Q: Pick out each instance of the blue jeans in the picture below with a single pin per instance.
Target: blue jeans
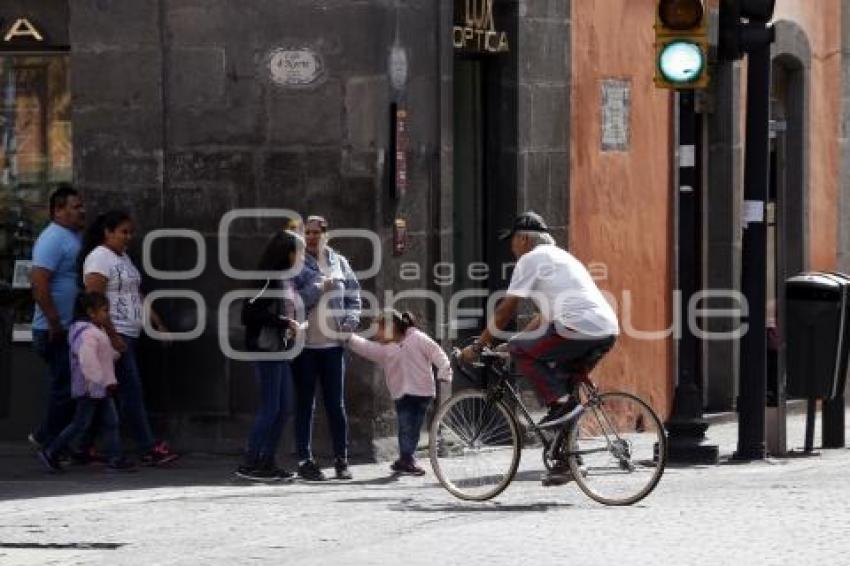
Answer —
(410, 410)
(131, 397)
(275, 379)
(84, 417)
(327, 366)
(60, 407)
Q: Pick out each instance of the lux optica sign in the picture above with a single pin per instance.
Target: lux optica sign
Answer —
(477, 31)
(22, 28)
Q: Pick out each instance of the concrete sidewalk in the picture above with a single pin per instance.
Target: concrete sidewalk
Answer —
(197, 512)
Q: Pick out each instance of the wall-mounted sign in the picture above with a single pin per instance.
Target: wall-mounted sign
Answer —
(21, 30)
(401, 147)
(616, 111)
(475, 29)
(295, 68)
(398, 67)
(399, 236)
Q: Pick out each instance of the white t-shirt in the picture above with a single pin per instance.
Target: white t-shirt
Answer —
(122, 288)
(563, 291)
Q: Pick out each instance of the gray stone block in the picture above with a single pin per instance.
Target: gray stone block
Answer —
(101, 163)
(197, 77)
(524, 116)
(210, 22)
(282, 179)
(549, 118)
(367, 113)
(114, 23)
(548, 9)
(144, 204)
(306, 117)
(123, 79)
(545, 52)
(201, 207)
(537, 182)
(138, 129)
(241, 123)
(189, 167)
(369, 164)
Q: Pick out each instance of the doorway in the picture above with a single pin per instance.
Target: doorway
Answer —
(470, 187)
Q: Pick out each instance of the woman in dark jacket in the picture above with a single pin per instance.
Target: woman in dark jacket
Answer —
(270, 325)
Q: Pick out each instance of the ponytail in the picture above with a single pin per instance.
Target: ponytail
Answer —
(407, 321)
(403, 321)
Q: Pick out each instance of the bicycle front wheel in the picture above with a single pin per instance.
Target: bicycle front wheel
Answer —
(474, 446)
(618, 449)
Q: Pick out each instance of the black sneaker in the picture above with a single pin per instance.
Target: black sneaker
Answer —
(271, 466)
(342, 471)
(120, 465)
(49, 461)
(560, 474)
(258, 474)
(408, 468)
(310, 471)
(284, 475)
(561, 412)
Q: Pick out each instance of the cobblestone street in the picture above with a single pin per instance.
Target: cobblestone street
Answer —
(771, 512)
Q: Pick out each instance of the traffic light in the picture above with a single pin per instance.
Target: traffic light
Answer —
(736, 36)
(681, 44)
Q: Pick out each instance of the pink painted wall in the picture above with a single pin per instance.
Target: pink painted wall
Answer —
(620, 213)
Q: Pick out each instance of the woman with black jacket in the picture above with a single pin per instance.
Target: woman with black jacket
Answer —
(270, 325)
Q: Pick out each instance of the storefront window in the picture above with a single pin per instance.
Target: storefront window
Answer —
(35, 156)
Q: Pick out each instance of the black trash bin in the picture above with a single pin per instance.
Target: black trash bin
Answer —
(817, 335)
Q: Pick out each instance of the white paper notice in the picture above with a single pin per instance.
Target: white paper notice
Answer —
(753, 211)
(687, 156)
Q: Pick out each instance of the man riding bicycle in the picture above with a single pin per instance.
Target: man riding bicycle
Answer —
(573, 317)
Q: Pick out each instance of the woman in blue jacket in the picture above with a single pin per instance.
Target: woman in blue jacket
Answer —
(331, 296)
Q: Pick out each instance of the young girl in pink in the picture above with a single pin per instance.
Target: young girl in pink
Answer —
(406, 355)
(92, 383)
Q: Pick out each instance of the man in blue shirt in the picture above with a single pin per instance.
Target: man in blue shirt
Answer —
(54, 288)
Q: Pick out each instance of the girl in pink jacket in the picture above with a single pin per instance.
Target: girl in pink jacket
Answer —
(92, 383)
(406, 355)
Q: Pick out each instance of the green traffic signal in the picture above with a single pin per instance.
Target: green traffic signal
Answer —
(681, 44)
(681, 62)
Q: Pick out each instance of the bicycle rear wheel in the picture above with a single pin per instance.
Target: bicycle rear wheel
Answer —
(618, 449)
(474, 446)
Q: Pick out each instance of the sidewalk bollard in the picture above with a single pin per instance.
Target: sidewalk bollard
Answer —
(811, 411)
(832, 415)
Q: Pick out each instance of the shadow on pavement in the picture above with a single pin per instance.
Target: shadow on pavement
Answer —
(22, 476)
(483, 507)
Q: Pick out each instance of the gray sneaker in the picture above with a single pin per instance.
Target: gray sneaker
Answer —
(561, 412)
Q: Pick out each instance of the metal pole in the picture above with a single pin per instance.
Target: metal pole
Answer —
(686, 427)
(832, 422)
(811, 410)
(751, 403)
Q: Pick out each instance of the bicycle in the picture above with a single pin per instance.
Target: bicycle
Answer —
(616, 447)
